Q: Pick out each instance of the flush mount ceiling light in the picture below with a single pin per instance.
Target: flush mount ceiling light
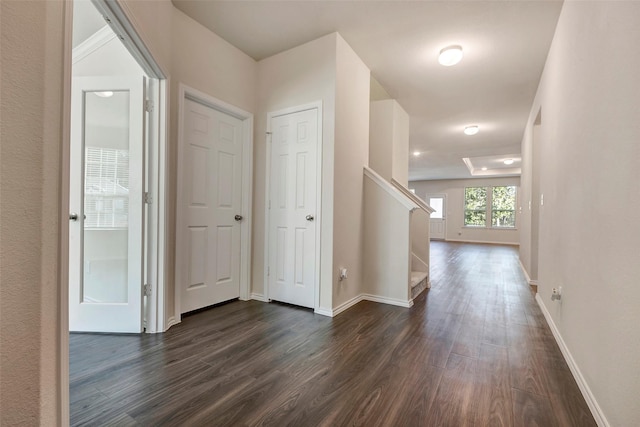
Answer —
(508, 162)
(450, 55)
(471, 130)
(416, 153)
(484, 168)
(104, 94)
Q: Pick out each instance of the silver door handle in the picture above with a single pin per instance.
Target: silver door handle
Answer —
(309, 217)
(73, 216)
(238, 217)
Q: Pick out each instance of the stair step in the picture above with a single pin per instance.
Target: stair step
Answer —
(417, 277)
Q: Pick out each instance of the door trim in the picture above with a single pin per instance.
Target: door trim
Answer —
(120, 19)
(186, 92)
(317, 105)
(444, 213)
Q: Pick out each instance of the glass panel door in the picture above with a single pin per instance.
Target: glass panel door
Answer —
(106, 197)
(106, 204)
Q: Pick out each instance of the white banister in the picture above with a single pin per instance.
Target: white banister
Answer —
(396, 238)
(391, 189)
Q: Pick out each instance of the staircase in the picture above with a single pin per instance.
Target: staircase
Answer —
(419, 276)
(419, 282)
(396, 252)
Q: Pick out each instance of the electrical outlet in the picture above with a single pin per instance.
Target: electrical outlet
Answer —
(343, 273)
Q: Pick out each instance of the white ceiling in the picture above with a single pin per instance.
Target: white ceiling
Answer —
(86, 21)
(505, 46)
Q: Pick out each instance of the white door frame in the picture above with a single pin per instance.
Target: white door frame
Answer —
(186, 92)
(311, 106)
(156, 322)
(444, 209)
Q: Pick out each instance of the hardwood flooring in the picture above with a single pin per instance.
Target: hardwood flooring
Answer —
(474, 350)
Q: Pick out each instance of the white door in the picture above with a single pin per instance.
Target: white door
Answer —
(293, 215)
(106, 204)
(211, 203)
(437, 221)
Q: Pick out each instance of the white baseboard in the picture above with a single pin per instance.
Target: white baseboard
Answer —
(339, 309)
(483, 242)
(596, 411)
(323, 312)
(170, 322)
(363, 297)
(258, 297)
(526, 275)
(385, 300)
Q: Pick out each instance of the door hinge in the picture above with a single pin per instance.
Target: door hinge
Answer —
(147, 290)
(148, 105)
(148, 199)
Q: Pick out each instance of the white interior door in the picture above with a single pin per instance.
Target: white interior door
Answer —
(211, 203)
(292, 214)
(106, 204)
(437, 220)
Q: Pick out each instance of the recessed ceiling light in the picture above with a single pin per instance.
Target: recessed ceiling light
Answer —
(484, 168)
(416, 153)
(104, 94)
(508, 162)
(471, 130)
(450, 55)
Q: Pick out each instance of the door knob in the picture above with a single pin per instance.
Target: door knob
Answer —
(309, 217)
(238, 217)
(73, 216)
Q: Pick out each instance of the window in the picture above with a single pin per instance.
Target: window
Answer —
(503, 207)
(496, 203)
(437, 204)
(475, 207)
(106, 186)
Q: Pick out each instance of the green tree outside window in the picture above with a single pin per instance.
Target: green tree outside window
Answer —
(475, 207)
(497, 203)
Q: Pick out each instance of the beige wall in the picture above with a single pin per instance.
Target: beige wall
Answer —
(203, 61)
(324, 70)
(350, 157)
(381, 137)
(153, 23)
(299, 76)
(31, 87)
(400, 149)
(389, 140)
(378, 92)
(387, 249)
(589, 232)
(454, 191)
(189, 53)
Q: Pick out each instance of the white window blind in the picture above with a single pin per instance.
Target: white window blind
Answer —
(106, 188)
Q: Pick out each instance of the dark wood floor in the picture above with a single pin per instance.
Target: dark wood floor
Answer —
(473, 351)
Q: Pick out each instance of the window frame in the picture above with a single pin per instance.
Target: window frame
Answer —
(465, 210)
(488, 211)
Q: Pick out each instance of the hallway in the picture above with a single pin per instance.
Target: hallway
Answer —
(474, 350)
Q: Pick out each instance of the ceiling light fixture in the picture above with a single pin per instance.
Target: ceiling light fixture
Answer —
(508, 162)
(450, 55)
(471, 130)
(484, 168)
(416, 153)
(104, 94)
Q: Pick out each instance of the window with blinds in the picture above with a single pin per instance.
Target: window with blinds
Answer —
(106, 188)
